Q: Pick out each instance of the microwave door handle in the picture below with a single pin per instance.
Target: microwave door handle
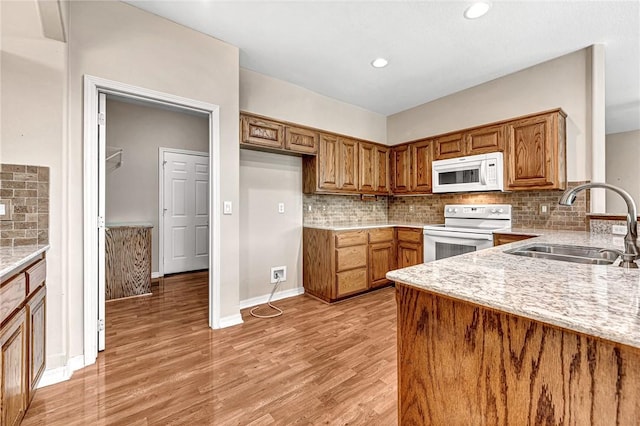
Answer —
(483, 173)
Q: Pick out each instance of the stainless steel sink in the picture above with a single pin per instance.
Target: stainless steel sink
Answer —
(567, 253)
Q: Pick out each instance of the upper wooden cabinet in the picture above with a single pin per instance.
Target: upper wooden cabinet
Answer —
(270, 135)
(373, 168)
(411, 166)
(347, 164)
(328, 162)
(484, 139)
(536, 157)
(449, 146)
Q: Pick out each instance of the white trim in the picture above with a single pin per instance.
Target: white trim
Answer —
(60, 374)
(259, 300)
(161, 151)
(92, 86)
(155, 275)
(230, 320)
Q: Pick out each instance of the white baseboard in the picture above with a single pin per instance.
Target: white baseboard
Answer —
(230, 320)
(60, 374)
(255, 301)
(155, 275)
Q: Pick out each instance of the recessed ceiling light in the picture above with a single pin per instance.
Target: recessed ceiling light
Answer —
(379, 63)
(477, 9)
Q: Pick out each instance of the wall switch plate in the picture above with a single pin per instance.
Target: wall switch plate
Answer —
(227, 207)
(2, 210)
(280, 207)
(544, 209)
(5, 209)
(618, 229)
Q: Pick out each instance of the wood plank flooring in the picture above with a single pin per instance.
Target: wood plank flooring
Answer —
(316, 364)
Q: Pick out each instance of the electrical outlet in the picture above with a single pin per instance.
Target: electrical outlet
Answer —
(278, 273)
(544, 209)
(280, 207)
(618, 229)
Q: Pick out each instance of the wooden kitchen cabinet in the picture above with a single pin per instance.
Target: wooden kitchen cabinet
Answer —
(348, 164)
(265, 134)
(13, 369)
(22, 338)
(409, 247)
(483, 140)
(449, 146)
(334, 169)
(411, 167)
(536, 157)
(339, 264)
(373, 168)
(499, 239)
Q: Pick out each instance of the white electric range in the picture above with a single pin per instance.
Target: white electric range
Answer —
(466, 228)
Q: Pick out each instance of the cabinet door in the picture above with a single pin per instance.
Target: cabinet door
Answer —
(530, 153)
(485, 139)
(500, 239)
(381, 260)
(256, 131)
(449, 146)
(347, 164)
(367, 167)
(328, 162)
(421, 159)
(401, 169)
(409, 254)
(382, 169)
(304, 141)
(37, 355)
(13, 375)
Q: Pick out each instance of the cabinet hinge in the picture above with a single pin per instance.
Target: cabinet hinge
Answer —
(100, 325)
(101, 119)
(100, 222)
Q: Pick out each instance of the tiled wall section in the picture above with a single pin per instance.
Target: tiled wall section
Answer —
(526, 208)
(25, 192)
(331, 209)
(335, 209)
(601, 226)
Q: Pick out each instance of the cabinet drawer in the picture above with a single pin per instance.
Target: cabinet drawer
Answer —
(351, 238)
(380, 235)
(351, 281)
(351, 257)
(12, 294)
(36, 276)
(413, 235)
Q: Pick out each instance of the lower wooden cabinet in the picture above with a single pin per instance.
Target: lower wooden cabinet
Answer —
(22, 340)
(339, 264)
(13, 369)
(409, 247)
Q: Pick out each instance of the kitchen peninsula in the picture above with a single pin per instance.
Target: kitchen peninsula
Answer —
(492, 338)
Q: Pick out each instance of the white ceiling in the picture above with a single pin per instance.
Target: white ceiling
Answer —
(432, 50)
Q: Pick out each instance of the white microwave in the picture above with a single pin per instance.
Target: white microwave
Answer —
(466, 174)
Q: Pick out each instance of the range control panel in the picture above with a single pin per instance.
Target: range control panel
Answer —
(478, 211)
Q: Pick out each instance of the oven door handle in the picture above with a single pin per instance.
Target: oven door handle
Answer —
(461, 235)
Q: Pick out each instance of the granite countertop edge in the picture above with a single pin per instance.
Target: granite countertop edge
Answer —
(12, 258)
(596, 300)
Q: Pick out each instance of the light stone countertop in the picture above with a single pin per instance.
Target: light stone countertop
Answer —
(597, 300)
(345, 226)
(14, 257)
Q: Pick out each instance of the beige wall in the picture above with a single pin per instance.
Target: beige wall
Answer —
(623, 156)
(563, 82)
(269, 238)
(116, 41)
(275, 98)
(33, 122)
(132, 189)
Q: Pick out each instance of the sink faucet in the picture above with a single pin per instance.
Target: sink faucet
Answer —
(631, 244)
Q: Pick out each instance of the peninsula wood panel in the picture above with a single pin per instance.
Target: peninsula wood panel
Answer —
(127, 261)
(318, 263)
(13, 366)
(461, 364)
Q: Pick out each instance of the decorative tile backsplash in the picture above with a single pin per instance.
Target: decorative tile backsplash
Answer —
(326, 209)
(24, 190)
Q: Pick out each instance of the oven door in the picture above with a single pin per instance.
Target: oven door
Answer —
(443, 244)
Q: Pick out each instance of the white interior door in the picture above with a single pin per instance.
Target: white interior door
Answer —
(102, 148)
(185, 212)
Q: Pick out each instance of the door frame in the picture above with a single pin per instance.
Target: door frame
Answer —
(92, 86)
(161, 152)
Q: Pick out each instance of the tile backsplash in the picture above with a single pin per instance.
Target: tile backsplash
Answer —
(24, 190)
(327, 209)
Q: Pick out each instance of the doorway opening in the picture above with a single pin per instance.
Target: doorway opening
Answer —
(95, 154)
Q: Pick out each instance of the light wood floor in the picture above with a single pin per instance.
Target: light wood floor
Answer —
(316, 364)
